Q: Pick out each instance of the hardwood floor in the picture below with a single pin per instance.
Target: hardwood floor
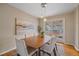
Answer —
(68, 49)
(10, 53)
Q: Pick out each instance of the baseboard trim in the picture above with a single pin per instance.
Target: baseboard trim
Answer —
(7, 51)
(76, 48)
(66, 43)
(72, 45)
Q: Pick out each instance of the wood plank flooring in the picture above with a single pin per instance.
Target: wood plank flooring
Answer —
(69, 51)
(10, 53)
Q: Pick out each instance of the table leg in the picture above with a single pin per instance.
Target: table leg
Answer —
(39, 52)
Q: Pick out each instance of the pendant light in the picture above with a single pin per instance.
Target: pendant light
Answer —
(43, 5)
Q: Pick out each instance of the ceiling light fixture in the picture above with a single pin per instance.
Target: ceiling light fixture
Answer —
(44, 5)
(45, 19)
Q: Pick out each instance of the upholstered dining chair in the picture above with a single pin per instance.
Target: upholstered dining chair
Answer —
(49, 48)
(60, 49)
(23, 49)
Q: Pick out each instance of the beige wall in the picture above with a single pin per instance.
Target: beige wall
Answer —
(69, 28)
(76, 28)
(7, 25)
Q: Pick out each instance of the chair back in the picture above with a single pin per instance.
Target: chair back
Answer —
(59, 49)
(21, 47)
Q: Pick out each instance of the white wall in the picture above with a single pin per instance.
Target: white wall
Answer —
(7, 25)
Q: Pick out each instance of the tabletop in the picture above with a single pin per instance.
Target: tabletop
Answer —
(36, 41)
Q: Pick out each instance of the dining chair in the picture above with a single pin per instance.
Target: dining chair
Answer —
(59, 49)
(49, 47)
(23, 49)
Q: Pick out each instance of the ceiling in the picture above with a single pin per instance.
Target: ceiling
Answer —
(52, 9)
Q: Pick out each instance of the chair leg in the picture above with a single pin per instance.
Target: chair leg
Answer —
(46, 52)
(18, 54)
(36, 53)
(54, 52)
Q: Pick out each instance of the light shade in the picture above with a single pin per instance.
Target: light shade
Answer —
(41, 17)
(45, 19)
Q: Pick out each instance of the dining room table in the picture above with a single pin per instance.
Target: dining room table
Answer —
(37, 42)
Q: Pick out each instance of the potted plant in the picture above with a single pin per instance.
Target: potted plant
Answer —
(42, 34)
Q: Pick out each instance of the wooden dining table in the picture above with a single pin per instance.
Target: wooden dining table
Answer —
(36, 42)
